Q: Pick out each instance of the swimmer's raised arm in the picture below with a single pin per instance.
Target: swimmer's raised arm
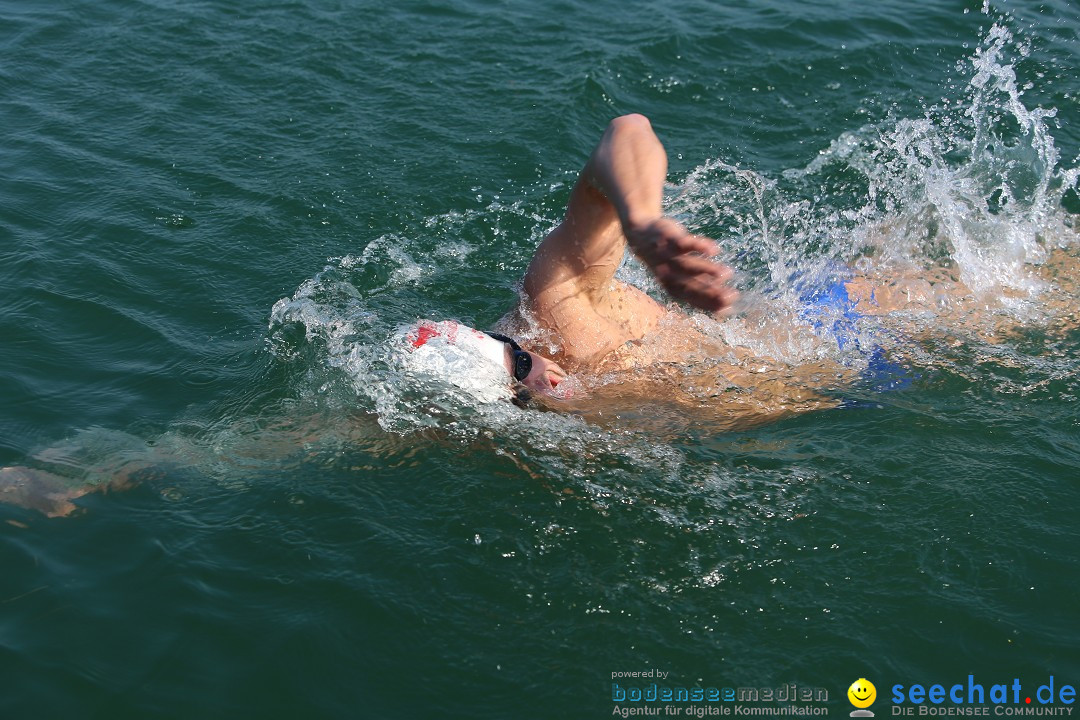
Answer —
(618, 201)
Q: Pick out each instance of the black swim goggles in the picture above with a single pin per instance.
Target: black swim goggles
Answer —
(522, 361)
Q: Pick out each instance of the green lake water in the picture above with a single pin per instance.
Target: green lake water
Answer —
(213, 215)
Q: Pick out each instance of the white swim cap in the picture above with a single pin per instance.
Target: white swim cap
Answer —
(454, 333)
(459, 355)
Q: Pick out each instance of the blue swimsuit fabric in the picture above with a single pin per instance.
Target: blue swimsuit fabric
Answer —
(830, 310)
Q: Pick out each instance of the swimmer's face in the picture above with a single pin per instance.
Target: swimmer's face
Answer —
(544, 376)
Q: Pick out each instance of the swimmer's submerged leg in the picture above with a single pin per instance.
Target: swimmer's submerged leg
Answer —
(49, 493)
(38, 490)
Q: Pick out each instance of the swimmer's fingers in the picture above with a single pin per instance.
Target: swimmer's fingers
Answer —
(697, 281)
(704, 294)
(700, 266)
(680, 262)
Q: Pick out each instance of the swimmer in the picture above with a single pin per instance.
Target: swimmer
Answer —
(579, 320)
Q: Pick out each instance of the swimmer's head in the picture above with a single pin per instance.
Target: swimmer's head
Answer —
(473, 359)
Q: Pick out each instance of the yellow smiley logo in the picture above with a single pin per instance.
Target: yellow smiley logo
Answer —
(862, 693)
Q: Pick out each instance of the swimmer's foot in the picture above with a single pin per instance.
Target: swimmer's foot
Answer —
(49, 494)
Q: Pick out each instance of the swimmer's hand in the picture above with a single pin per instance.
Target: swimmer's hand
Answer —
(681, 263)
